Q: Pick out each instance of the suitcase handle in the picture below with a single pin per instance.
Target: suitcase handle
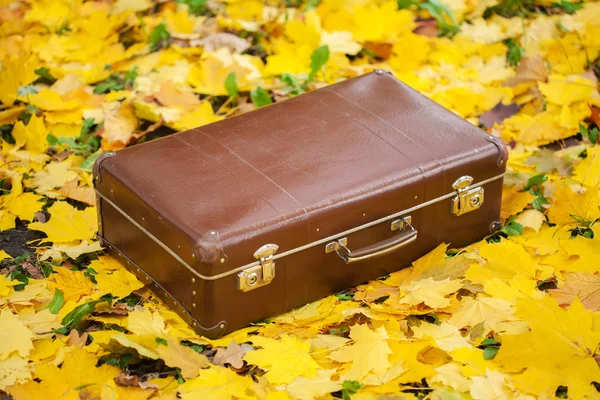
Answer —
(378, 249)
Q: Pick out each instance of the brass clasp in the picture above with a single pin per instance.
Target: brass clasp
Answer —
(262, 274)
(467, 199)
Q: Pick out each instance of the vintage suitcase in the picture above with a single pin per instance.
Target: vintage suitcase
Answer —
(254, 215)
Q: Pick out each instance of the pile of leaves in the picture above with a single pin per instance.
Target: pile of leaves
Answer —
(515, 315)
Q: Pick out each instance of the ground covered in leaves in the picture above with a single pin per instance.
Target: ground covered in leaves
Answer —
(516, 315)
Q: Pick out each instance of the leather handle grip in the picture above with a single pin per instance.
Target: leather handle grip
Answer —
(378, 249)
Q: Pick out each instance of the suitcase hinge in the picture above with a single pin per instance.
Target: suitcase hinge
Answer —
(467, 199)
(262, 274)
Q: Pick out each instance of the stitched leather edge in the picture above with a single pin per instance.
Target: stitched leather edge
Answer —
(213, 332)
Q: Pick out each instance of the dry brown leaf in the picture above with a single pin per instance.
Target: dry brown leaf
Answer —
(530, 69)
(120, 123)
(127, 379)
(232, 355)
(586, 286)
(222, 39)
(72, 190)
(595, 114)
(74, 339)
(498, 114)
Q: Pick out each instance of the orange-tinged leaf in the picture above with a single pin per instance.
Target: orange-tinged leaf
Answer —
(582, 286)
(73, 284)
(73, 191)
(120, 124)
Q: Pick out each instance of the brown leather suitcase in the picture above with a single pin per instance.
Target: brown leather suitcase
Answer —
(254, 215)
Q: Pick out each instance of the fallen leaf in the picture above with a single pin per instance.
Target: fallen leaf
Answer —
(369, 352)
(557, 348)
(177, 356)
(429, 292)
(498, 114)
(530, 69)
(72, 190)
(67, 223)
(232, 355)
(15, 338)
(582, 286)
(222, 39)
(284, 359)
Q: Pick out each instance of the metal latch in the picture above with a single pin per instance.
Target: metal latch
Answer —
(467, 199)
(262, 274)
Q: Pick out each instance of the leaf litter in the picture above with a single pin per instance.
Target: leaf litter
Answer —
(512, 316)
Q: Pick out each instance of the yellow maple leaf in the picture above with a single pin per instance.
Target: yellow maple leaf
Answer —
(587, 171)
(24, 205)
(531, 219)
(518, 287)
(284, 360)
(78, 371)
(429, 292)
(586, 252)
(120, 283)
(17, 70)
(13, 370)
(558, 341)
(216, 383)
(31, 137)
(53, 176)
(485, 310)
(178, 356)
(104, 264)
(145, 348)
(67, 224)
(73, 284)
(493, 385)
(504, 260)
(447, 337)
(49, 100)
(306, 389)
(200, 115)
(214, 67)
(369, 352)
(571, 204)
(563, 90)
(73, 250)
(14, 336)
(451, 375)
(4, 255)
(514, 202)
